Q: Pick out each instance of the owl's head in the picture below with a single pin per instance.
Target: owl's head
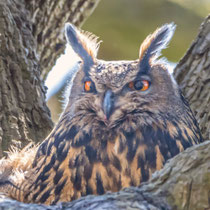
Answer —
(121, 93)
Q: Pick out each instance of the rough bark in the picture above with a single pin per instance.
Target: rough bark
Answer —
(48, 20)
(30, 37)
(193, 75)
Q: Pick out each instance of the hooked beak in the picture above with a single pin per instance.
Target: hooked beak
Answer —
(108, 103)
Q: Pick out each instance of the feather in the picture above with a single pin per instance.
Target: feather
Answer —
(151, 48)
(85, 44)
(17, 163)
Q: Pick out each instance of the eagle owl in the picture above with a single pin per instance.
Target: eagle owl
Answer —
(123, 121)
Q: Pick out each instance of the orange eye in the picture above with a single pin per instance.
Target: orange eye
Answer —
(145, 85)
(88, 86)
(141, 85)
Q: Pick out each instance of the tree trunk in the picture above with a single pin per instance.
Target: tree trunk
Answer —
(183, 183)
(193, 75)
(31, 39)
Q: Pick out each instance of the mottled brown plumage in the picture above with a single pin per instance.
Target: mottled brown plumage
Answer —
(123, 121)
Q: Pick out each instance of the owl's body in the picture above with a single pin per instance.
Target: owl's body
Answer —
(123, 121)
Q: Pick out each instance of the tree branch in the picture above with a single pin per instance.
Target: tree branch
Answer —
(48, 20)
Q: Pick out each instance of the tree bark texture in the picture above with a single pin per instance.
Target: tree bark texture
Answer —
(193, 75)
(31, 39)
(48, 20)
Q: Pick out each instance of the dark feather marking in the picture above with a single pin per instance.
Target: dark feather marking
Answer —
(109, 171)
(71, 163)
(78, 161)
(62, 153)
(189, 139)
(150, 137)
(26, 195)
(105, 160)
(83, 140)
(41, 151)
(99, 184)
(116, 163)
(130, 137)
(103, 144)
(163, 140)
(197, 138)
(42, 177)
(43, 147)
(88, 171)
(58, 138)
(57, 198)
(56, 165)
(49, 165)
(60, 186)
(49, 148)
(35, 196)
(74, 197)
(89, 190)
(91, 153)
(42, 186)
(150, 157)
(58, 176)
(121, 146)
(162, 143)
(77, 182)
(45, 196)
(119, 184)
(183, 141)
(72, 132)
(172, 146)
(7, 182)
(74, 162)
(68, 135)
(60, 148)
(164, 151)
(128, 171)
(52, 160)
(83, 193)
(132, 182)
(144, 172)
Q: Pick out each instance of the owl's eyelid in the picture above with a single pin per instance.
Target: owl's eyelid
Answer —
(86, 78)
(143, 77)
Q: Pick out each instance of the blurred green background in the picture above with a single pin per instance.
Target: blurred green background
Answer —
(124, 24)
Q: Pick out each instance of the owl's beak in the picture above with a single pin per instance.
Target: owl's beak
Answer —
(108, 103)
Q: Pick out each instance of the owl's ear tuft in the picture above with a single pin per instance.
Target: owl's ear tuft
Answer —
(83, 43)
(151, 48)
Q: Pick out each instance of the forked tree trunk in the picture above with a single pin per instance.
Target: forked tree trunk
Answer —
(35, 28)
(31, 39)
